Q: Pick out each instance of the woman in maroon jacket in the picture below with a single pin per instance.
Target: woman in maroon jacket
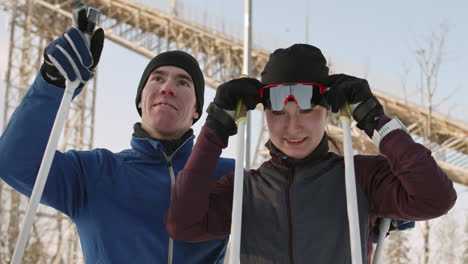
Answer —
(294, 205)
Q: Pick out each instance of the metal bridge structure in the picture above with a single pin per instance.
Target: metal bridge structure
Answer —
(147, 31)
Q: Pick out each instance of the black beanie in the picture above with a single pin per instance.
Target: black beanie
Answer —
(298, 63)
(182, 60)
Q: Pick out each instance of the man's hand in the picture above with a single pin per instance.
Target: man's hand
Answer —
(70, 57)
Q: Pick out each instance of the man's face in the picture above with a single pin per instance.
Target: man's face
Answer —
(168, 103)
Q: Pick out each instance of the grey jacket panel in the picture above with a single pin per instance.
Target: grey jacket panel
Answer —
(314, 198)
(264, 220)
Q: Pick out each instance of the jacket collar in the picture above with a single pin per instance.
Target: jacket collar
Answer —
(278, 157)
(154, 148)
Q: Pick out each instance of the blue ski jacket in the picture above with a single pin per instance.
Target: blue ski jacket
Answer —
(116, 200)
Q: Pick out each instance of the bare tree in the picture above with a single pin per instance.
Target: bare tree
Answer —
(404, 80)
(14, 220)
(397, 248)
(3, 234)
(446, 240)
(429, 58)
(465, 243)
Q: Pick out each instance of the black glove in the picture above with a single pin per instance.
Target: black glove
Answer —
(70, 56)
(227, 96)
(245, 89)
(354, 91)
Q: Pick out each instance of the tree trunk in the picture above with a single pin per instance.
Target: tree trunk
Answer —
(426, 230)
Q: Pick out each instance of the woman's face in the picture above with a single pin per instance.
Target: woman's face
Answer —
(296, 132)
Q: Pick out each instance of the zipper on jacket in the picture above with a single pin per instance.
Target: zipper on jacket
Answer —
(170, 248)
(171, 241)
(288, 207)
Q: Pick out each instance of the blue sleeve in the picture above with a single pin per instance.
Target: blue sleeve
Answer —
(224, 166)
(22, 146)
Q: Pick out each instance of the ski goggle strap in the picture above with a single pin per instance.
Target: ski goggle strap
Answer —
(300, 93)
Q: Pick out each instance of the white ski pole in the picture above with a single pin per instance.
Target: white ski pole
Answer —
(45, 164)
(236, 222)
(350, 180)
(383, 229)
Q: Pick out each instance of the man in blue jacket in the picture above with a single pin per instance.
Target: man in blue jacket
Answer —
(117, 200)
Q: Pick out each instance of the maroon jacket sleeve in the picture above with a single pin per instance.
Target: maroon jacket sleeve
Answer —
(201, 206)
(405, 183)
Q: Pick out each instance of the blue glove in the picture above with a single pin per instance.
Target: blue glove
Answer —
(398, 225)
(70, 56)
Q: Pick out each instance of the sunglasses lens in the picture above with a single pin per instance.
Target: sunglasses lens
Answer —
(279, 95)
(303, 94)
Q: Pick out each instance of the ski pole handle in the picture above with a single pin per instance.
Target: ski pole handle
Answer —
(91, 17)
(241, 109)
(241, 112)
(346, 113)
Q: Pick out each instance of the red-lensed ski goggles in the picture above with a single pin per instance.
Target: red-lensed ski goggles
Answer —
(305, 95)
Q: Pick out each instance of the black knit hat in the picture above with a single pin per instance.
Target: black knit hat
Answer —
(182, 60)
(298, 63)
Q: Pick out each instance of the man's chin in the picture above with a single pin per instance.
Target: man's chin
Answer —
(168, 129)
(164, 119)
(165, 124)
